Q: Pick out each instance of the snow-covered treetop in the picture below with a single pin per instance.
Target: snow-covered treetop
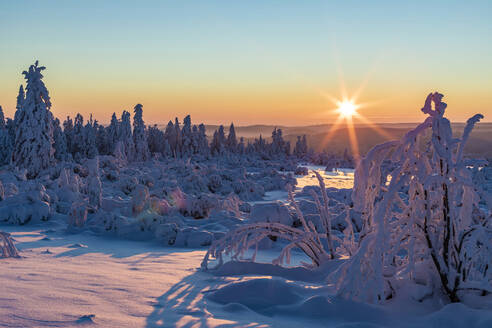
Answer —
(35, 84)
(2, 119)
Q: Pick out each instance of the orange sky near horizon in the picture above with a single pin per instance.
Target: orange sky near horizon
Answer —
(255, 63)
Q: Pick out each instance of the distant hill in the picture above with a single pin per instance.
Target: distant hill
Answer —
(479, 144)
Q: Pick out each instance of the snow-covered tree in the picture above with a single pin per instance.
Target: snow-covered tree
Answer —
(171, 139)
(139, 135)
(90, 139)
(218, 145)
(204, 148)
(69, 134)
(2, 118)
(421, 217)
(156, 140)
(20, 100)
(78, 144)
(6, 143)
(60, 145)
(301, 147)
(231, 139)
(241, 147)
(34, 123)
(102, 140)
(186, 137)
(113, 133)
(179, 140)
(279, 146)
(126, 137)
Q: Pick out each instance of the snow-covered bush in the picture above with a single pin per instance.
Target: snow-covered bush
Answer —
(316, 244)
(198, 207)
(275, 212)
(94, 187)
(78, 214)
(32, 205)
(421, 216)
(140, 199)
(7, 247)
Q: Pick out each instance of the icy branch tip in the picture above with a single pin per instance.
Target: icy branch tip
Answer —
(439, 106)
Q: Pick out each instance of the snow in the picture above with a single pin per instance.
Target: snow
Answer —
(117, 283)
(65, 280)
(110, 226)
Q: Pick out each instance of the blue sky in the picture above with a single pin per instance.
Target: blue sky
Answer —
(250, 61)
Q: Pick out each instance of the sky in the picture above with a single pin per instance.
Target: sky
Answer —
(250, 62)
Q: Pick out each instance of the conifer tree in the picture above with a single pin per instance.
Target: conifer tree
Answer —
(204, 148)
(171, 138)
(5, 141)
(186, 137)
(20, 100)
(113, 133)
(60, 144)
(139, 135)
(34, 126)
(126, 136)
(90, 149)
(231, 139)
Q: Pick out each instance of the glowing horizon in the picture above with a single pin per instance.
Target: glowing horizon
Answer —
(255, 63)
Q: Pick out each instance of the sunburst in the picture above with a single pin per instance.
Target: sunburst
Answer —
(348, 109)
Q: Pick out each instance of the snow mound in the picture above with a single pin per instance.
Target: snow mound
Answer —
(257, 294)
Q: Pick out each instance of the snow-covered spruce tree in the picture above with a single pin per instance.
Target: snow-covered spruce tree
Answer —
(204, 148)
(69, 133)
(113, 133)
(301, 149)
(241, 147)
(34, 122)
(195, 140)
(187, 138)
(60, 145)
(179, 139)
(421, 217)
(6, 143)
(171, 139)
(90, 132)
(2, 118)
(20, 100)
(231, 139)
(142, 153)
(125, 136)
(218, 145)
(102, 140)
(155, 140)
(278, 145)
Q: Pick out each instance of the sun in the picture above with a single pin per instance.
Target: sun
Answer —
(347, 108)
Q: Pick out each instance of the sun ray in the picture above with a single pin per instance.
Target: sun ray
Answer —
(331, 132)
(374, 127)
(354, 145)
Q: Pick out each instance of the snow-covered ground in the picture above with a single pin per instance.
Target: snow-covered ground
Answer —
(67, 280)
